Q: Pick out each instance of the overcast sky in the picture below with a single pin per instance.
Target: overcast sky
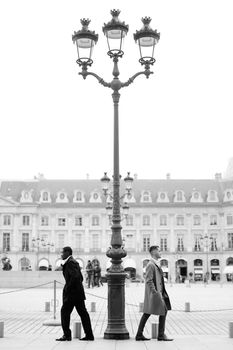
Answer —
(177, 121)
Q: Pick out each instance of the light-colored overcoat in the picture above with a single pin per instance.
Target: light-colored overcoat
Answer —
(156, 299)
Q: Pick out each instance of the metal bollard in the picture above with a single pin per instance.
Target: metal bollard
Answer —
(154, 330)
(141, 305)
(93, 308)
(47, 306)
(1, 329)
(187, 307)
(230, 329)
(77, 330)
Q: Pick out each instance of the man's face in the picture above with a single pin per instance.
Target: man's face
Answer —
(64, 254)
(155, 253)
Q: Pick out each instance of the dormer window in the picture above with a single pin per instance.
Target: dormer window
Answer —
(45, 196)
(228, 195)
(95, 197)
(130, 198)
(179, 196)
(196, 197)
(26, 197)
(146, 196)
(162, 197)
(62, 197)
(212, 196)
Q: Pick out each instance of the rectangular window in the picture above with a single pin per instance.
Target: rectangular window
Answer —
(61, 238)
(197, 244)
(44, 220)
(129, 242)
(78, 221)
(213, 220)
(180, 221)
(229, 220)
(95, 221)
(78, 241)
(163, 244)
(6, 220)
(146, 243)
(163, 220)
(180, 244)
(230, 240)
(61, 221)
(129, 220)
(95, 242)
(26, 220)
(6, 242)
(25, 242)
(213, 244)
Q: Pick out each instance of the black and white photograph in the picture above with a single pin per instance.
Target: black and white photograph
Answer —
(116, 175)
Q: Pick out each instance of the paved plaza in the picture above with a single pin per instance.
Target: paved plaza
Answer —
(204, 327)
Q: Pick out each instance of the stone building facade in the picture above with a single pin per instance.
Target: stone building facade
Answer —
(191, 221)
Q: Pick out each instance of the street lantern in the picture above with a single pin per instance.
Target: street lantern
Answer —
(115, 31)
(85, 41)
(128, 182)
(125, 208)
(146, 38)
(105, 183)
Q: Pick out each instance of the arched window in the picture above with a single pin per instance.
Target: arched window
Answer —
(179, 196)
(146, 220)
(198, 262)
(45, 196)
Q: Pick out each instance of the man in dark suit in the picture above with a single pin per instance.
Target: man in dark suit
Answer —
(156, 300)
(73, 296)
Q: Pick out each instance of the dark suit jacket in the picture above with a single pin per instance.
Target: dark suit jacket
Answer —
(73, 289)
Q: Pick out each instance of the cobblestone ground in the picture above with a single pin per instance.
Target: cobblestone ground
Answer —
(211, 309)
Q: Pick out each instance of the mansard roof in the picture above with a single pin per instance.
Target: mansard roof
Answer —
(13, 189)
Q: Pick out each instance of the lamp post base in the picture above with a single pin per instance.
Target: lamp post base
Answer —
(116, 328)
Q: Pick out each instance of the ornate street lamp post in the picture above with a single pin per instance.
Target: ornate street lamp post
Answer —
(207, 240)
(115, 32)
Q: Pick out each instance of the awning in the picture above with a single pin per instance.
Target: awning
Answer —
(44, 262)
(215, 270)
(228, 269)
(129, 263)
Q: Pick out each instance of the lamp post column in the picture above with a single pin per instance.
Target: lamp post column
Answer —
(116, 328)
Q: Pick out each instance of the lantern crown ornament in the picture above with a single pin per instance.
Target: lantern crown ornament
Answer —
(85, 39)
(115, 31)
(146, 38)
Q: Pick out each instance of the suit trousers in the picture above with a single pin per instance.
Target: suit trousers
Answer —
(67, 308)
(144, 318)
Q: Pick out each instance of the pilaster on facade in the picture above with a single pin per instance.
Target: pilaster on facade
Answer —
(221, 231)
(87, 233)
(104, 220)
(52, 232)
(138, 237)
(15, 233)
(189, 230)
(35, 225)
(69, 228)
(172, 232)
(155, 237)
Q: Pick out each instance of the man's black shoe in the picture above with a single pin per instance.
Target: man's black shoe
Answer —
(87, 338)
(164, 338)
(64, 338)
(141, 337)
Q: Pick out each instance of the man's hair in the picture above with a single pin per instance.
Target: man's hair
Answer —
(153, 247)
(68, 249)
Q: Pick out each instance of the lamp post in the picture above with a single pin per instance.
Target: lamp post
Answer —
(115, 32)
(206, 239)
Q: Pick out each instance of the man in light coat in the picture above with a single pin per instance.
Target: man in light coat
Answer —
(156, 300)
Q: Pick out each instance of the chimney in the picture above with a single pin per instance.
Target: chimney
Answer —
(168, 176)
(218, 176)
(135, 176)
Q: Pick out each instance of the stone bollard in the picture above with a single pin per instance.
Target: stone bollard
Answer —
(47, 306)
(154, 330)
(93, 308)
(141, 305)
(1, 329)
(230, 329)
(187, 307)
(77, 330)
